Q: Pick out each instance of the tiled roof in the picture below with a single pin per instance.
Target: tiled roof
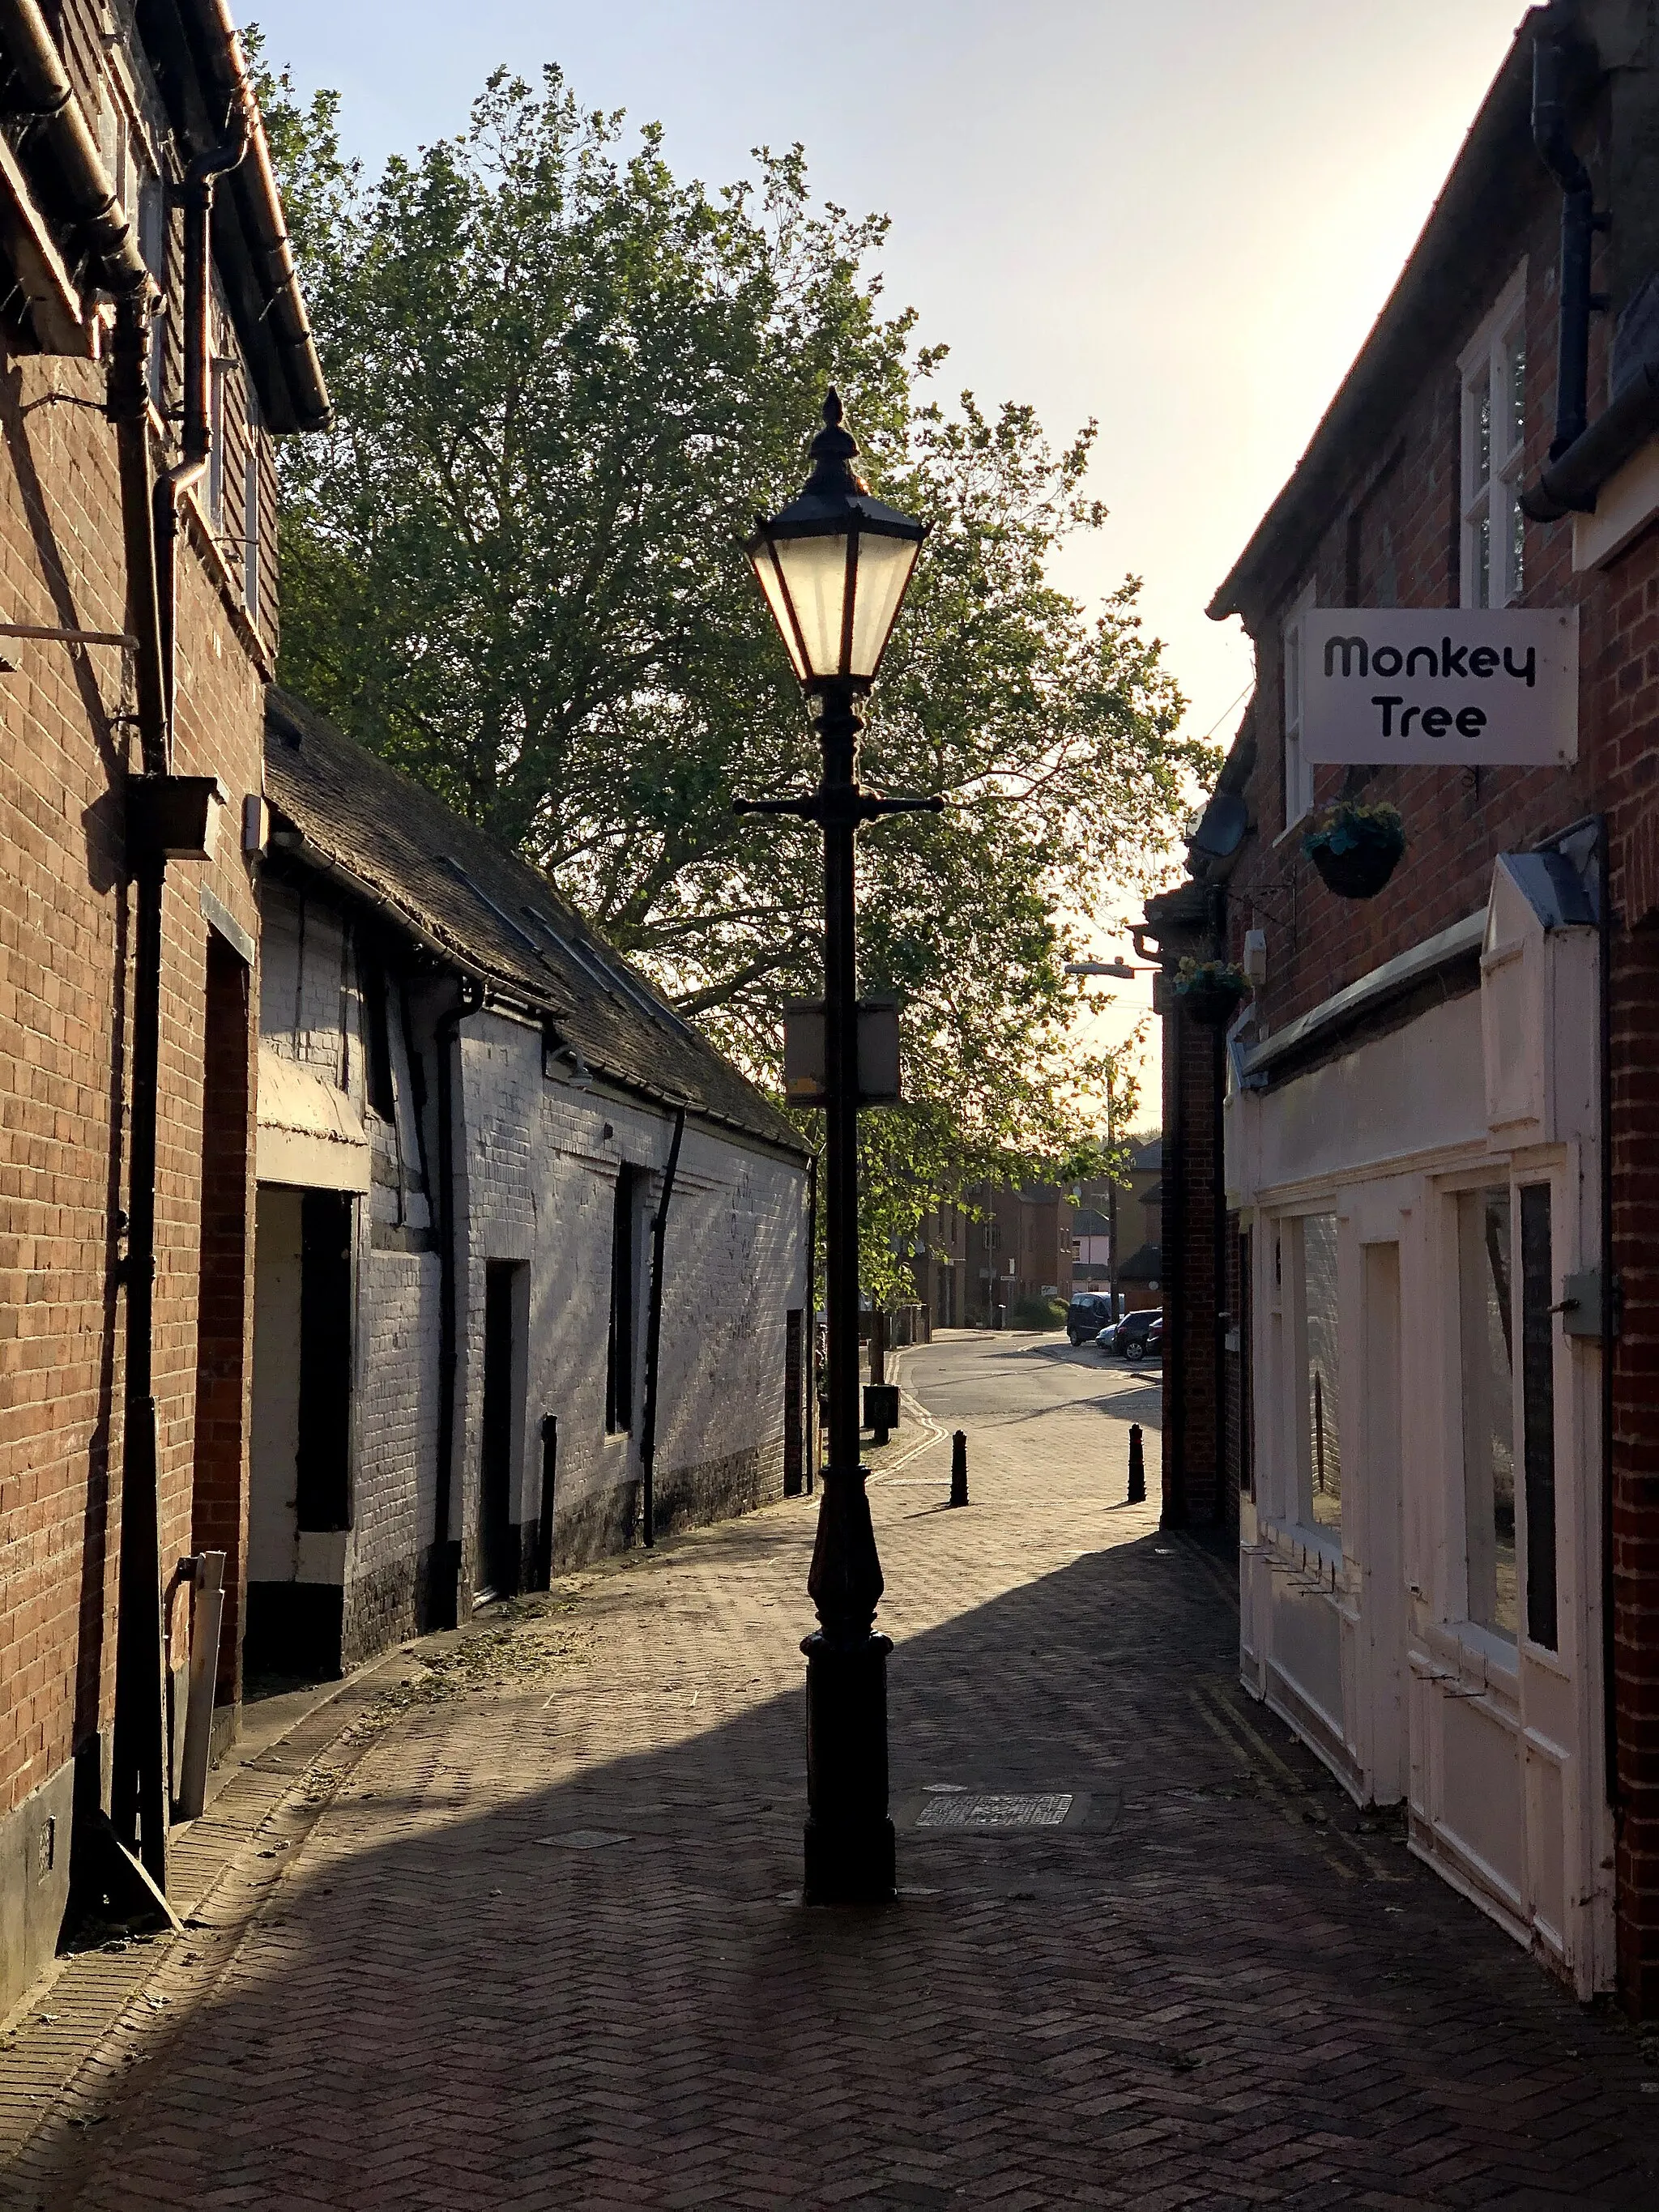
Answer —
(496, 917)
(1145, 1266)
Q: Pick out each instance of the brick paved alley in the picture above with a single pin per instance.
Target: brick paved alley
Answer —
(533, 1937)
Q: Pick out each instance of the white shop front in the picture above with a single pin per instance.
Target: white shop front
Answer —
(1416, 1165)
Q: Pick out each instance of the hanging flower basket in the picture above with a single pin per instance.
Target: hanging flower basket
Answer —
(1356, 847)
(1211, 990)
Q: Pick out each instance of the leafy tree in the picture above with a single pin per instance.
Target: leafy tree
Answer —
(565, 381)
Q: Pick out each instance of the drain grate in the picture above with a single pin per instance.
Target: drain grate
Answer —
(984, 1811)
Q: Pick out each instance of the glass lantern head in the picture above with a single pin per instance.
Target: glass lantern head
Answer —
(835, 565)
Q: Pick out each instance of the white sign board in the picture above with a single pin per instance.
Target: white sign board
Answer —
(1457, 687)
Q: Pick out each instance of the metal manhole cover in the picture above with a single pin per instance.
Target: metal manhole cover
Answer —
(983, 1811)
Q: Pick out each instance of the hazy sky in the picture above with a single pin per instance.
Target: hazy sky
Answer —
(1179, 218)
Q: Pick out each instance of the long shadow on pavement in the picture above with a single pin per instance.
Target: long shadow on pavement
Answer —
(1221, 1987)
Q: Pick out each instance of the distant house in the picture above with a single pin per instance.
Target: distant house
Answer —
(1140, 1224)
(999, 1249)
(531, 1261)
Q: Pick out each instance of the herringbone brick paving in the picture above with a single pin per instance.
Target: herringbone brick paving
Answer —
(544, 1947)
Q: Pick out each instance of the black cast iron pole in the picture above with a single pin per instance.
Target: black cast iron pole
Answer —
(849, 1837)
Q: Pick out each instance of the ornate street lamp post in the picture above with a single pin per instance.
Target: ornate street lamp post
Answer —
(833, 566)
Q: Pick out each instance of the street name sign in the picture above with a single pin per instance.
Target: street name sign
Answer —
(1454, 686)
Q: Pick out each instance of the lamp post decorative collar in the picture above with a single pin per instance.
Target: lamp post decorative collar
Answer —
(835, 565)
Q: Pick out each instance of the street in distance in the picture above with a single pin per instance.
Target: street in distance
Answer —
(1449, 686)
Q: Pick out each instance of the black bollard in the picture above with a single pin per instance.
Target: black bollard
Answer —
(1137, 1467)
(959, 1467)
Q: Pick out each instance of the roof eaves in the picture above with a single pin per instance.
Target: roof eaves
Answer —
(1478, 193)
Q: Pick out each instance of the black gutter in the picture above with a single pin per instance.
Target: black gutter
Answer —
(89, 200)
(444, 1575)
(261, 204)
(654, 1336)
(1579, 222)
(1572, 484)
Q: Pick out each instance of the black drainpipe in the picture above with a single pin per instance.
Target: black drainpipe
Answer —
(1579, 223)
(444, 1576)
(196, 439)
(138, 1780)
(653, 1335)
(138, 1763)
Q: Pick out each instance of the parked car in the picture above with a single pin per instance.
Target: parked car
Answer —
(1103, 1342)
(1085, 1314)
(1133, 1330)
(1153, 1348)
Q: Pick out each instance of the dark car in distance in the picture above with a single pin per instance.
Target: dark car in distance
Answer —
(1132, 1337)
(1086, 1316)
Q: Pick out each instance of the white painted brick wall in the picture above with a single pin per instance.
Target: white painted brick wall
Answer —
(536, 1177)
(540, 1179)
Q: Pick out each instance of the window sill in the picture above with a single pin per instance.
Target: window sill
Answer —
(1299, 1544)
(1500, 1659)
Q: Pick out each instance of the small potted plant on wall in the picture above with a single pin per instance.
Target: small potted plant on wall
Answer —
(1356, 846)
(1211, 990)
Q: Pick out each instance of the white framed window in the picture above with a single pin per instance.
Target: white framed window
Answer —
(1298, 772)
(1507, 1337)
(1492, 368)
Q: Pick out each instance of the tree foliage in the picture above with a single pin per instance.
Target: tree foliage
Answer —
(565, 381)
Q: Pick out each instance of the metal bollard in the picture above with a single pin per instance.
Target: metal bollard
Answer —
(959, 1467)
(1137, 1467)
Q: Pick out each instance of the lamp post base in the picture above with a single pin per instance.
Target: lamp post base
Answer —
(850, 1850)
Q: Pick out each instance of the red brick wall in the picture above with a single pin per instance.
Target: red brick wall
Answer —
(66, 955)
(1195, 1491)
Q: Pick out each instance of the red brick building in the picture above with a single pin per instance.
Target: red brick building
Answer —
(137, 516)
(1001, 1248)
(1409, 1199)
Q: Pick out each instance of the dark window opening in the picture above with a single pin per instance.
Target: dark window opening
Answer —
(377, 1039)
(619, 1358)
(794, 1432)
(217, 1522)
(322, 1492)
(1537, 1410)
(499, 1548)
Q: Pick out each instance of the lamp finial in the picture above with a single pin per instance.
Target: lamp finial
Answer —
(833, 451)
